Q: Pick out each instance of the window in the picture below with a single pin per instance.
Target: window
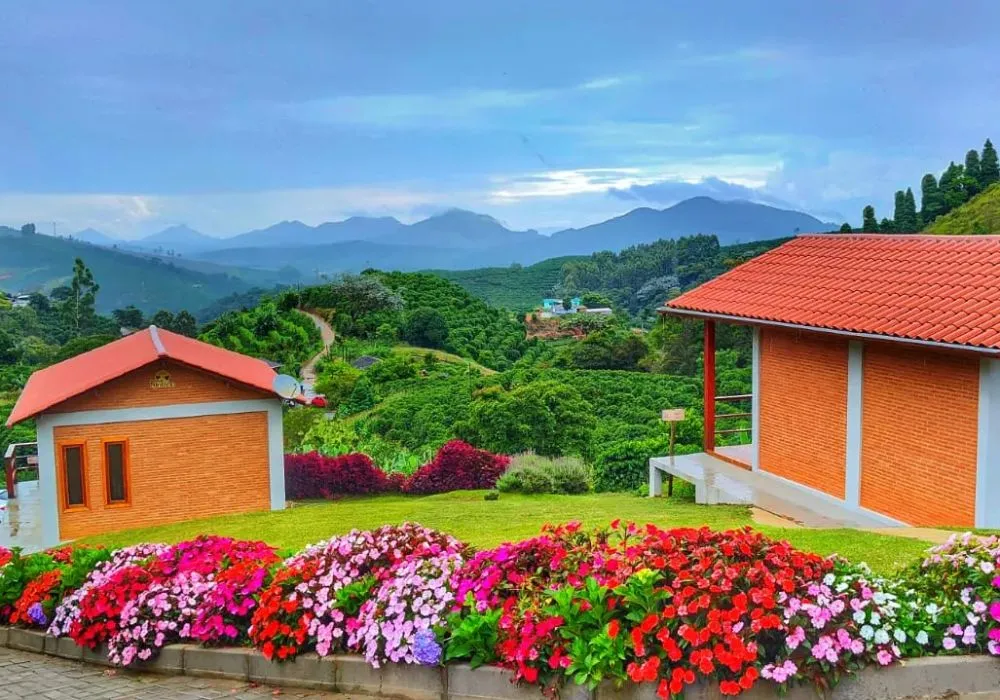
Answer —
(116, 471)
(74, 476)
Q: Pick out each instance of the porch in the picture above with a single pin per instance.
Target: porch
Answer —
(21, 510)
(717, 480)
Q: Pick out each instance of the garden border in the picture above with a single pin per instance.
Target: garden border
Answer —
(938, 675)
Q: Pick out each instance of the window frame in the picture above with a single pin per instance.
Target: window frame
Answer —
(126, 472)
(63, 482)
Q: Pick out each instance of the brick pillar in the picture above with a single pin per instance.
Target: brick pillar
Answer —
(709, 363)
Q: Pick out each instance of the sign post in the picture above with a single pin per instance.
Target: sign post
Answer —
(673, 416)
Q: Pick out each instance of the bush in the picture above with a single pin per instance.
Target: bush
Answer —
(529, 473)
(458, 466)
(624, 465)
(312, 475)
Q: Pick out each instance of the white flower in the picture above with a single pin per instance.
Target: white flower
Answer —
(876, 618)
(859, 617)
(899, 635)
(932, 609)
(881, 637)
(867, 632)
(829, 579)
(922, 638)
(987, 567)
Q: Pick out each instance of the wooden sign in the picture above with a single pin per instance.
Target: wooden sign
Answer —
(673, 415)
(161, 380)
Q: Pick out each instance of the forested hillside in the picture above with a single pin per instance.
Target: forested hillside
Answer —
(979, 215)
(518, 288)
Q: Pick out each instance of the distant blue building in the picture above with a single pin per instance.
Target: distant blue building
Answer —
(556, 305)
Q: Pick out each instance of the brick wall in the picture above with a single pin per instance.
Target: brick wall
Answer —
(134, 390)
(803, 408)
(919, 434)
(180, 469)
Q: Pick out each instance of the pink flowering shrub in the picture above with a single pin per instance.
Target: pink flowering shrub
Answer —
(301, 611)
(414, 599)
(224, 611)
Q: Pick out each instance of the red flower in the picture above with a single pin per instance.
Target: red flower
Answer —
(613, 628)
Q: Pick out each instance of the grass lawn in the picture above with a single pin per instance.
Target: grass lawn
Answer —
(467, 516)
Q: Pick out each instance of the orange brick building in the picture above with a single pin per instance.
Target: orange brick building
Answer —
(150, 429)
(876, 378)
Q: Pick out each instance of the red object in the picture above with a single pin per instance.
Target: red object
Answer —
(458, 466)
(312, 475)
(53, 385)
(709, 389)
(319, 402)
(943, 289)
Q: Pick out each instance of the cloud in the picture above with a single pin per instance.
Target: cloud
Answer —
(669, 192)
(606, 83)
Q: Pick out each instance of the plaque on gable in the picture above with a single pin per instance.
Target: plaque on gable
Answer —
(161, 380)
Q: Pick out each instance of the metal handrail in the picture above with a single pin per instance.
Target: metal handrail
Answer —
(722, 416)
(11, 467)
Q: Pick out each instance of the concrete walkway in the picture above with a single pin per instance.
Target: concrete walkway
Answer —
(27, 675)
(308, 371)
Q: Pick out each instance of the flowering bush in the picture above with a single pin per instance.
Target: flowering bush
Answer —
(68, 612)
(15, 576)
(313, 475)
(398, 623)
(301, 608)
(35, 605)
(224, 611)
(5, 556)
(456, 466)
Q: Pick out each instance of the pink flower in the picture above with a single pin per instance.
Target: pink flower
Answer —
(884, 657)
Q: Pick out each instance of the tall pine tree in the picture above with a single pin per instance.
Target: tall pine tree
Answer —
(973, 173)
(869, 224)
(952, 187)
(912, 219)
(989, 167)
(899, 211)
(931, 203)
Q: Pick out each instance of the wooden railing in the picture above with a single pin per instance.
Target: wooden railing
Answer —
(19, 457)
(746, 399)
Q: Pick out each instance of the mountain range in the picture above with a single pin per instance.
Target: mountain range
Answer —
(458, 239)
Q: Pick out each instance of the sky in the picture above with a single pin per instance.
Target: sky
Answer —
(131, 116)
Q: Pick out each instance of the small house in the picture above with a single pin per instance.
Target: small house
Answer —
(150, 429)
(876, 373)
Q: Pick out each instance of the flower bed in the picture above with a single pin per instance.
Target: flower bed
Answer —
(456, 466)
(664, 607)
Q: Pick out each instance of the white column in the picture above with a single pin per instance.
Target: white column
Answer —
(755, 402)
(855, 384)
(276, 455)
(988, 445)
(48, 495)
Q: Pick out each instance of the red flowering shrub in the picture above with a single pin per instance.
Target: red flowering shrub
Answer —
(312, 475)
(5, 555)
(458, 466)
(34, 607)
(101, 607)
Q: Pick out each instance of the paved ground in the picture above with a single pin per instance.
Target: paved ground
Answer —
(25, 675)
(326, 331)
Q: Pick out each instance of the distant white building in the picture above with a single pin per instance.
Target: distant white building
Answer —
(19, 301)
(600, 310)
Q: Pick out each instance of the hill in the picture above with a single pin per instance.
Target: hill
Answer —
(735, 221)
(517, 288)
(38, 262)
(981, 214)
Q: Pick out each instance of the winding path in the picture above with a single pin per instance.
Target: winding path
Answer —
(308, 371)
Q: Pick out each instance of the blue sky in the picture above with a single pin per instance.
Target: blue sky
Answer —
(132, 116)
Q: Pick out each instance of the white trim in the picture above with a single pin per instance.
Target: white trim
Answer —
(822, 495)
(180, 410)
(755, 400)
(988, 445)
(276, 456)
(746, 320)
(48, 496)
(855, 388)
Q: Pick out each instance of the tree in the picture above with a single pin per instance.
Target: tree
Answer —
(887, 225)
(129, 317)
(425, 327)
(162, 319)
(9, 352)
(78, 298)
(846, 228)
(869, 224)
(931, 202)
(952, 187)
(899, 211)
(361, 399)
(973, 173)
(567, 303)
(28, 230)
(989, 167)
(912, 222)
(354, 296)
(595, 300)
(185, 324)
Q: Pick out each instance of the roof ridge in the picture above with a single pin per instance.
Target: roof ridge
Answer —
(154, 333)
(902, 236)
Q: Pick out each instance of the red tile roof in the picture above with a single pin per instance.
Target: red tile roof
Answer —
(53, 385)
(943, 289)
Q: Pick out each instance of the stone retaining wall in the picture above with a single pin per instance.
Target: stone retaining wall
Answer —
(936, 676)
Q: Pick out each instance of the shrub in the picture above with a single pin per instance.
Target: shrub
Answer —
(529, 473)
(458, 466)
(623, 465)
(312, 475)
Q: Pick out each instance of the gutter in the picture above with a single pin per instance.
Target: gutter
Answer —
(744, 320)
